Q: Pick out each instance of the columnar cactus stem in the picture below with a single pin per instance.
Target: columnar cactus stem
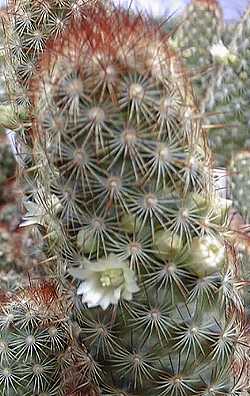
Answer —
(228, 97)
(201, 27)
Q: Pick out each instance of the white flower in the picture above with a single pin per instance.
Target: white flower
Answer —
(207, 255)
(105, 282)
(41, 209)
(220, 52)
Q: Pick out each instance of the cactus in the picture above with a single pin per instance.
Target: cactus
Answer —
(200, 28)
(240, 182)
(228, 101)
(228, 97)
(29, 24)
(38, 353)
(32, 339)
(229, 31)
(8, 166)
(123, 196)
(3, 96)
(20, 251)
(227, 105)
(240, 188)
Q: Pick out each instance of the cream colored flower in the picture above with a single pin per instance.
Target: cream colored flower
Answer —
(105, 282)
(207, 255)
(220, 52)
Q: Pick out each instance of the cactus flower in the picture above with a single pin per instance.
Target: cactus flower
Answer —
(221, 53)
(105, 282)
(208, 255)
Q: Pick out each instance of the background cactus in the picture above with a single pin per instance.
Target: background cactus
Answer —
(229, 31)
(240, 182)
(201, 27)
(240, 188)
(227, 105)
(228, 98)
(122, 193)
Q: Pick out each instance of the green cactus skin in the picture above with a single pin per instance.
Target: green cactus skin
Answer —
(240, 188)
(120, 162)
(33, 336)
(240, 182)
(244, 256)
(201, 27)
(229, 31)
(228, 98)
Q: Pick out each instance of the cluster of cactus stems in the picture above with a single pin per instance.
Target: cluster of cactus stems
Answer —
(142, 294)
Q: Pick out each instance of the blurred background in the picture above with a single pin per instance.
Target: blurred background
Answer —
(232, 8)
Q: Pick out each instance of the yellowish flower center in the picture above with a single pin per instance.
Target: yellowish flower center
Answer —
(112, 278)
(214, 249)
